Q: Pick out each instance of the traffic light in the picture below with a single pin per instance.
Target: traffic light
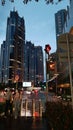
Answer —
(47, 48)
(52, 66)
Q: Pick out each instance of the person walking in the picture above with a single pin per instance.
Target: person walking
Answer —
(17, 104)
(8, 103)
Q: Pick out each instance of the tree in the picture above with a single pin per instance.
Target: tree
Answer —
(46, 1)
(26, 1)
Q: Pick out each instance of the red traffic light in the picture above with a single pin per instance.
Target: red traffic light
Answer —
(47, 48)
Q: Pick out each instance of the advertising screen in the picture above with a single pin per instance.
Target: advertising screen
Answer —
(26, 84)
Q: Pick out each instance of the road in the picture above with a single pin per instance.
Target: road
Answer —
(29, 122)
(22, 123)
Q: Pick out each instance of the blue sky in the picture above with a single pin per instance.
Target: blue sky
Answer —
(39, 20)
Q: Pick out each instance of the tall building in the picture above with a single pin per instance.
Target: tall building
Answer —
(33, 63)
(60, 18)
(69, 21)
(3, 62)
(12, 50)
(39, 65)
(29, 72)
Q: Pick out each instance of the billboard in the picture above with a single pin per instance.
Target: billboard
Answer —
(26, 84)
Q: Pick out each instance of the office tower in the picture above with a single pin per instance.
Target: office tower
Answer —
(39, 65)
(33, 63)
(60, 18)
(14, 49)
(69, 21)
(3, 62)
(29, 70)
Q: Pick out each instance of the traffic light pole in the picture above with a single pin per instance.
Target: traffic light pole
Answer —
(47, 49)
(47, 77)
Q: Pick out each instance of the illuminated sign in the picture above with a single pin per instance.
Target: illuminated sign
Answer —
(26, 84)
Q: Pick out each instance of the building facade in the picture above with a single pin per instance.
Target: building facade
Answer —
(68, 27)
(39, 65)
(62, 47)
(12, 50)
(20, 61)
(29, 71)
(34, 70)
(60, 18)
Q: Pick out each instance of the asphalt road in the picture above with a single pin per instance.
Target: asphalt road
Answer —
(22, 123)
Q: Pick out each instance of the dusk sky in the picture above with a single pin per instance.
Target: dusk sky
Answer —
(39, 20)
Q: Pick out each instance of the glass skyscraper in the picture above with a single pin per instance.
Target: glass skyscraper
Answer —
(20, 58)
(12, 50)
(60, 18)
(34, 70)
(69, 20)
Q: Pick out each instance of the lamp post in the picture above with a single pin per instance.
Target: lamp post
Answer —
(47, 49)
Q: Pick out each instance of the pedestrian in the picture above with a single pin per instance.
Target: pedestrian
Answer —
(8, 103)
(17, 104)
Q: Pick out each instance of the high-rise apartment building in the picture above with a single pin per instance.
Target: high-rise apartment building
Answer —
(33, 63)
(12, 50)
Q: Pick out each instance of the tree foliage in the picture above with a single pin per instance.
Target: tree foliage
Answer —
(46, 1)
(26, 1)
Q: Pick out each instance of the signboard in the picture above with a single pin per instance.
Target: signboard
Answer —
(26, 84)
